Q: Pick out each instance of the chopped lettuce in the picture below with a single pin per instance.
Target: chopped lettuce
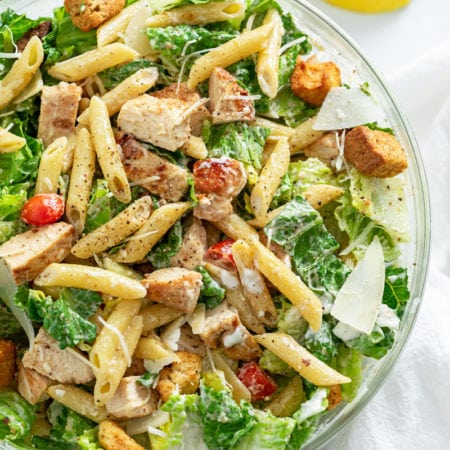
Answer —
(272, 363)
(374, 345)
(16, 416)
(163, 5)
(383, 201)
(224, 421)
(396, 293)
(211, 293)
(12, 199)
(290, 320)
(9, 325)
(89, 440)
(299, 229)
(322, 343)
(349, 363)
(237, 140)
(65, 319)
(167, 247)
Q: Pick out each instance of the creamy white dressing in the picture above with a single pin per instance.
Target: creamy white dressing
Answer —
(236, 337)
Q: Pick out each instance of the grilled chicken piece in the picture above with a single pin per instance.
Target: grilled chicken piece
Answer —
(49, 360)
(59, 110)
(156, 174)
(132, 399)
(325, 149)
(217, 182)
(27, 254)
(163, 122)
(183, 93)
(32, 386)
(228, 102)
(174, 286)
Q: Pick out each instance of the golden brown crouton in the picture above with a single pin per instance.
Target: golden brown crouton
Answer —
(334, 396)
(112, 437)
(89, 14)
(374, 153)
(182, 376)
(312, 80)
(7, 362)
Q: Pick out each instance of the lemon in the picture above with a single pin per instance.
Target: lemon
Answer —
(369, 6)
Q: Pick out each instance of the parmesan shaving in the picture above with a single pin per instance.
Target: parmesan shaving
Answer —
(140, 181)
(121, 338)
(291, 44)
(81, 358)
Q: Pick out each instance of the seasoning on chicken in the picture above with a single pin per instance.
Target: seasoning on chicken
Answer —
(156, 174)
(31, 385)
(27, 254)
(325, 149)
(227, 100)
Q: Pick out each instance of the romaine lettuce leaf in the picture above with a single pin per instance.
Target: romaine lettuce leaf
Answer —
(272, 363)
(396, 293)
(211, 293)
(9, 326)
(237, 140)
(16, 416)
(167, 247)
(374, 345)
(321, 344)
(349, 363)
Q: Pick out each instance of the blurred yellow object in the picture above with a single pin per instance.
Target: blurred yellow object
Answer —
(369, 6)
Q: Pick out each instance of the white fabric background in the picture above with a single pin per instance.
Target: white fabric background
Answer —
(411, 47)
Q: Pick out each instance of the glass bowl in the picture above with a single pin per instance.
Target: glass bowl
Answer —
(354, 65)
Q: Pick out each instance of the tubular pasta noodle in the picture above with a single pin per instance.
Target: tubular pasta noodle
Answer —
(107, 150)
(268, 58)
(304, 135)
(270, 178)
(195, 148)
(198, 14)
(240, 47)
(22, 71)
(114, 231)
(80, 180)
(79, 400)
(89, 63)
(151, 232)
(9, 142)
(133, 86)
(307, 365)
(157, 315)
(50, 167)
(92, 278)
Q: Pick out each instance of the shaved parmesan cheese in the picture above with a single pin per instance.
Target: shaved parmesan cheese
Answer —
(358, 302)
(347, 108)
(171, 335)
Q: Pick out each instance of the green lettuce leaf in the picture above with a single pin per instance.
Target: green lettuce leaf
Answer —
(396, 293)
(9, 325)
(290, 321)
(374, 345)
(16, 416)
(322, 343)
(89, 440)
(167, 247)
(211, 293)
(349, 363)
(272, 363)
(237, 140)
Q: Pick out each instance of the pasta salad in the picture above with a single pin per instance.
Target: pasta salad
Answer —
(201, 219)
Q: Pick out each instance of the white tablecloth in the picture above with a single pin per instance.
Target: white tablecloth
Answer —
(411, 47)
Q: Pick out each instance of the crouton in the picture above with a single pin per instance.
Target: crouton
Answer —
(182, 376)
(174, 286)
(375, 153)
(7, 362)
(90, 14)
(334, 396)
(112, 437)
(312, 80)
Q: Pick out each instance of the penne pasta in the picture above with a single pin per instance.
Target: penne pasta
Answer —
(133, 86)
(269, 56)
(107, 150)
(319, 195)
(276, 129)
(304, 135)
(116, 230)
(237, 228)
(262, 221)
(21, 72)
(79, 401)
(296, 356)
(157, 315)
(9, 142)
(80, 180)
(241, 47)
(289, 285)
(91, 62)
(93, 278)
(270, 178)
(195, 148)
(151, 347)
(288, 400)
(198, 14)
(151, 232)
(50, 167)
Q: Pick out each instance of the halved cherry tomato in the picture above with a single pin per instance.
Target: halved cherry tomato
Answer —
(222, 255)
(257, 382)
(43, 209)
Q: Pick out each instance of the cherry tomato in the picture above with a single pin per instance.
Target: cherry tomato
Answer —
(257, 382)
(221, 176)
(43, 209)
(222, 255)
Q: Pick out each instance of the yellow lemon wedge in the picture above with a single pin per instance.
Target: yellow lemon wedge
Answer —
(369, 6)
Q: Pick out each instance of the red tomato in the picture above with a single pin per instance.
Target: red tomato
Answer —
(257, 382)
(222, 255)
(43, 209)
